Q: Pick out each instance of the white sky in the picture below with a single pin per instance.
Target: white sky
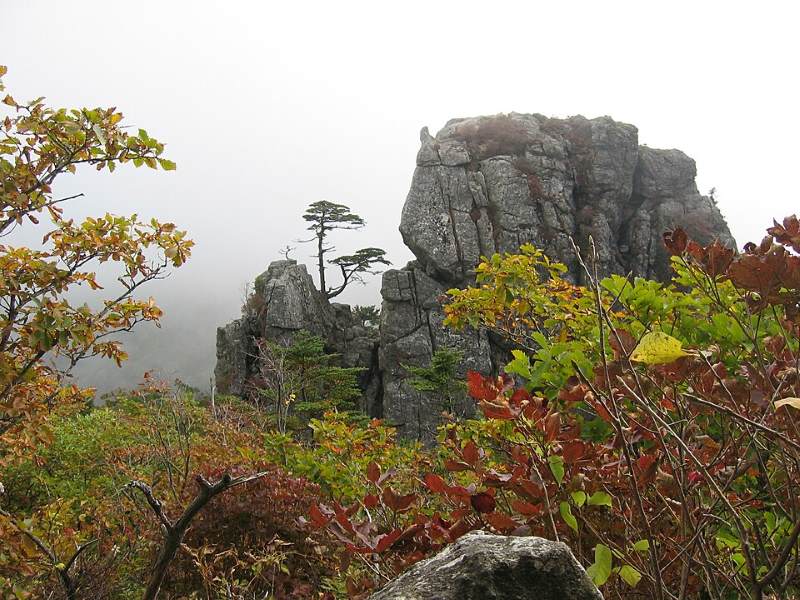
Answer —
(269, 107)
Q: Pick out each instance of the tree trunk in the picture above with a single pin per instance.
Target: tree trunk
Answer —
(321, 263)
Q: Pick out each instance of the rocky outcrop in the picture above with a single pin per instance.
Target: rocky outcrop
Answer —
(490, 567)
(490, 184)
(484, 185)
(285, 301)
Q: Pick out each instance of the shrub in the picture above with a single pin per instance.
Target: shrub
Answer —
(249, 543)
(650, 427)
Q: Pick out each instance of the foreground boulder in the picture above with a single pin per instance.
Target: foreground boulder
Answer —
(491, 567)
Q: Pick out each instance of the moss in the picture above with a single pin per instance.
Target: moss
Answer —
(493, 136)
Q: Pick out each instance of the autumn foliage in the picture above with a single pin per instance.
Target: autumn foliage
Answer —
(651, 427)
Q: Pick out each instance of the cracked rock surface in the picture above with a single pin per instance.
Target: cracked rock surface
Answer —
(490, 184)
(491, 567)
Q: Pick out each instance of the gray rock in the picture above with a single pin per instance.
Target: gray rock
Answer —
(498, 182)
(489, 567)
(234, 348)
(506, 180)
(411, 331)
(284, 302)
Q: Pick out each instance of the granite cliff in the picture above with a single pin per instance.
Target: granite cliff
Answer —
(484, 185)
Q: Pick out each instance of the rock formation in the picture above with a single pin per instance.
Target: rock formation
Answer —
(486, 185)
(285, 301)
(492, 567)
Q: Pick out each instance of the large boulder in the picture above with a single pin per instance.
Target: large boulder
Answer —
(490, 184)
(491, 567)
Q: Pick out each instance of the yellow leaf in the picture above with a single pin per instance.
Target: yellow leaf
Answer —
(793, 402)
(657, 348)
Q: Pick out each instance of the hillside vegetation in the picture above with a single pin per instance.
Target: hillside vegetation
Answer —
(651, 427)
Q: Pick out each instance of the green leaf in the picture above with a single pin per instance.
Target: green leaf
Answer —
(569, 518)
(521, 365)
(167, 165)
(642, 546)
(630, 575)
(600, 570)
(600, 499)
(657, 348)
(579, 498)
(556, 467)
(725, 538)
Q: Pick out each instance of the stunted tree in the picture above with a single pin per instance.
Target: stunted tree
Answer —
(367, 316)
(325, 217)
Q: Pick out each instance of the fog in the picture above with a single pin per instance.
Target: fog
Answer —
(267, 107)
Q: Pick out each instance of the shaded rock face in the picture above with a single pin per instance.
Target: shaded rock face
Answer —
(488, 567)
(411, 331)
(284, 302)
(490, 184)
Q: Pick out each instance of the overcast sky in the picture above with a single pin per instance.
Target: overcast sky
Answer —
(268, 108)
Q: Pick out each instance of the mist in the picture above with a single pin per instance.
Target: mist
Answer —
(268, 107)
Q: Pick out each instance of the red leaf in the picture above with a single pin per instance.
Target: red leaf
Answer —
(482, 388)
(411, 531)
(788, 234)
(526, 487)
(370, 501)
(373, 472)
(435, 483)
(717, 259)
(526, 508)
(552, 426)
(754, 272)
(453, 465)
(458, 491)
(694, 477)
(317, 517)
(483, 502)
(492, 410)
(458, 529)
(647, 465)
(397, 502)
(676, 241)
(573, 451)
(622, 343)
(343, 520)
(501, 522)
(470, 453)
(573, 391)
(387, 540)
(495, 479)
(520, 397)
